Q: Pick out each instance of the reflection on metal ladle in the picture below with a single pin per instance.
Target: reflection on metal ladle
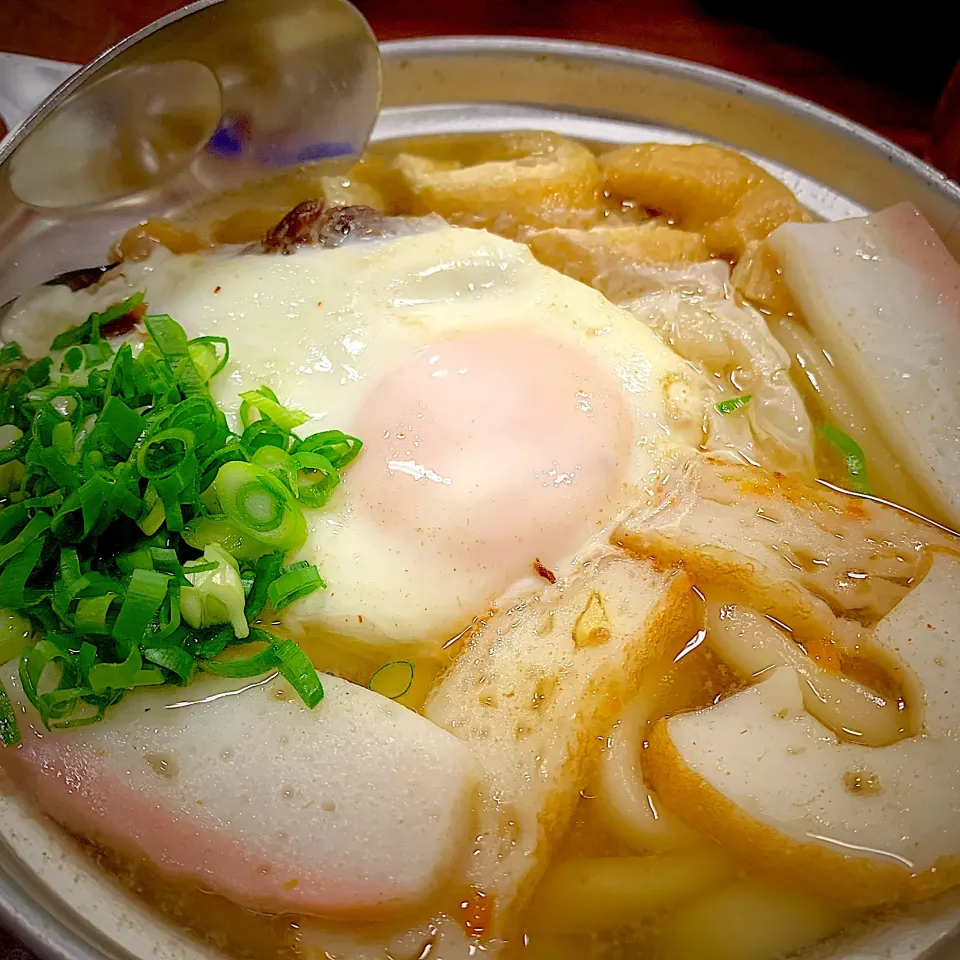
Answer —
(232, 93)
(127, 132)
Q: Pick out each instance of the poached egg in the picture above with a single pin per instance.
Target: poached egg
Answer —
(509, 413)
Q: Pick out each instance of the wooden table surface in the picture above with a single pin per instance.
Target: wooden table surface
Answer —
(77, 30)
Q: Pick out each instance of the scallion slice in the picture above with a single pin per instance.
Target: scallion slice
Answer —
(265, 401)
(260, 505)
(89, 330)
(115, 469)
(9, 730)
(338, 447)
(316, 478)
(853, 456)
(267, 569)
(240, 668)
(734, 403)
(298, 671)
(145, 593)
(122, 676)
(393, 679)
(172, 658)
(11, 352)
(16, 635)
(295, 582)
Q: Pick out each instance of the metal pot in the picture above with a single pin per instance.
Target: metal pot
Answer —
(48, 896)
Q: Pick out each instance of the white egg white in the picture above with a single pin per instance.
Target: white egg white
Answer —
(322, 327)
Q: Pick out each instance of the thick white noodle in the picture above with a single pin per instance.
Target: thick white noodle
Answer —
(749, 643)
(749, 919)
(629, 809)
(587, 895)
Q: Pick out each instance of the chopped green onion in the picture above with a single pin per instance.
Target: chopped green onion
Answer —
(115, 468)
(119, 310)
(16, 635)
(297, 581)
(9, 435)
(11, 479)
(260, 505)
(393, 679)
(116, 676)
(202, 532)
(12, 520)
(265, 433)
(267, 569)
(203, 353)
(11, 352)
(339, 448)
(92, 614)
(298, 671)
(153, 521)
(212, 645)
(265, 401)
(215, 595)
(117, 427)
(145, 594)
(316, 478)
(89, 330)
(280, 464)
(241, 668)
(9, 730)
(36, 526)
(734, 403)
(850, 450)
(172, 658)
(162, 455)
(13, 580)
(172, 343)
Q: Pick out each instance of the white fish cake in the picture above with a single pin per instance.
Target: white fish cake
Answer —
(358, 808)
(882, 295)
(864, 825)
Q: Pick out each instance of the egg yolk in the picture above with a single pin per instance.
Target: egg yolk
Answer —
(495, 448)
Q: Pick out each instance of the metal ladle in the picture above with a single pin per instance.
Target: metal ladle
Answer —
(233, 92)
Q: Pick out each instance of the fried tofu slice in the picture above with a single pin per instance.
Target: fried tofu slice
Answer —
(520, 180)
(758, 278)
(703, 187)
(856, 824)
(238, 787)
(533, 694)
(763, 207)
(606, 257)
(696, 183)
(823, 562)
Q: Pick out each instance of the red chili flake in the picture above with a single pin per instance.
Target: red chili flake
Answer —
(542, 571)
(217, 288)
(360, 617)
